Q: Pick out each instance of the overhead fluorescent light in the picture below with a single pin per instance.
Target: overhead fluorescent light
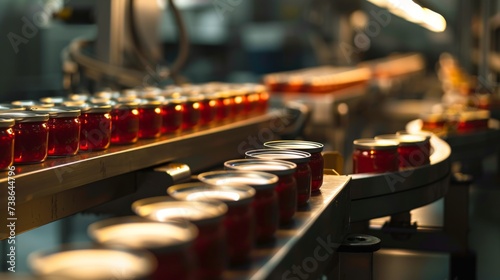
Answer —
(413, 12)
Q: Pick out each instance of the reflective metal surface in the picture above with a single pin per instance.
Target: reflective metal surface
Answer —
(377, 195)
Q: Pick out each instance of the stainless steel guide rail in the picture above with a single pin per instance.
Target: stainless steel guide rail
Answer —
(378, 195)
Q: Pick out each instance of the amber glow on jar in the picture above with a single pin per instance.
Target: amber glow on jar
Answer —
(124, 123)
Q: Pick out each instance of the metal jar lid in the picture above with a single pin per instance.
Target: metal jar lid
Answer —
(164, 208)
(288, 155)
(91, 261)
(300, 145)
(150, 103)
(276, 167)
(375, 144)
(87, 108)
(26, 116)
(31, 103)
(255, 179)
(426, 134)
(6, 122)
(229, 194)
(108, 94)
(139, 233)
(58, 112)
(404, 139)
(79, 96)
(6, 107)
(474, 115)
(56, 100)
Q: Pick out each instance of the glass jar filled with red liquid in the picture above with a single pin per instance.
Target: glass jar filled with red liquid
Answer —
(316, 163)
(251, 98)
(6, 143)
(92, 262)
(124, 123)
(473, 120)
(207, 216)
(239, 221)
(171, 111)
(239, 100)
(95, 134)
(265, 204)
(286, 188)
(150, 118)
(263, 98)
(225, 103)
(414, 150)
(433, 122)
(375, 156)
(171, 242)
(208, 109)
(302, 173)
(64, 130)
(191, 111)
(31, 135)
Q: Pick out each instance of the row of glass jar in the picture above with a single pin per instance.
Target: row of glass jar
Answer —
(62, 127)
(203, 227)
(456, 120)
(391, 152)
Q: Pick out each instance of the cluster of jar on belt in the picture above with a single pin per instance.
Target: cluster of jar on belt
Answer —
(31, 130)
(203, 227)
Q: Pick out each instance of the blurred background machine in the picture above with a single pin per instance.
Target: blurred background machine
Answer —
(389, 51)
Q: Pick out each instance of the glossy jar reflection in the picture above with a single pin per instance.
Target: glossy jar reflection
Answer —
(91, 262)
(302, 173)
(124, 123)
(171, 111)
(31, 135)
(413, 150)
(473, 121)
(316, 163)
(171, 242)
(239, 221)
(207, 216)
(64, 130)
(6, 143)
(95, 134)
(265, 204)
(286, 188)
(375, 156)
(150, 119)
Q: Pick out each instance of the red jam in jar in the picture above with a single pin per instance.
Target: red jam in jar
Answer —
(124, 123)
(91, 262)
(265, 204)
(433, 122)
(207, 216)
(263, 98)
(375, 156)
(239, 221)
(208, 109)
(224, 106)
(191, 111)
(316, 163)
(64, 130)
(171, 242)
(414, 150)
(150, 119)
(6, 143)
(95, 134)
(31, 136)
(286, 188)
(302, 173)
(473, 120)
(251, 98)
(171, 112)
